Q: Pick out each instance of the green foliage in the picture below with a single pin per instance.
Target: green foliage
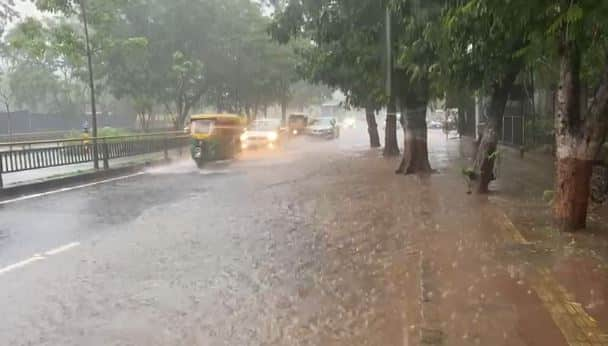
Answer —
(347, 45)
(494, 155)
(304, 94)
(103, 132)
(482, 40)
(163, 56)
(469, 173)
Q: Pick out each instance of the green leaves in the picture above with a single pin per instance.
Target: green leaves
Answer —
(66, 7)
(572, 15)
(346, 50)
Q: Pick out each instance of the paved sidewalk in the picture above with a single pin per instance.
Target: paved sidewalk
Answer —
(479, 276)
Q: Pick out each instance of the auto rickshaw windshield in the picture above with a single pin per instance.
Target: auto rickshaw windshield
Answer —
(201, 126)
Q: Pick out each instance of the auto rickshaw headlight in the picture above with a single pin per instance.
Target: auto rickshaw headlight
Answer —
(198, 152)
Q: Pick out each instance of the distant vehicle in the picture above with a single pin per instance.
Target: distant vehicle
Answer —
(349, 123)
(297, 123)
(323, 127)
(262, 133)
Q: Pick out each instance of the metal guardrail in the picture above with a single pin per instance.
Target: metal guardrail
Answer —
(52, 135)
(33, 135)
(24, 156)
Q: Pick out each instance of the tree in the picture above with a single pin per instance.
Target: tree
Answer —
(178, 56)
(6, 99)
(7, 13)
(46, 69)
(305, 94)
(578, 30)
(492, 41)
(132, 76)
(484, 49)
(346, 54)
(417, 63)
(80, 8)
(205, 51)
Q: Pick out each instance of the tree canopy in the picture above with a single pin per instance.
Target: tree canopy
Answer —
(164, 57)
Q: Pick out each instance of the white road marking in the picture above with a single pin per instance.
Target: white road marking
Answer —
(62, 249)
(65, 189)
(38, 257)
(20, 264)
(214, 172)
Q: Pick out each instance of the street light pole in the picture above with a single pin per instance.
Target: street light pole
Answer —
(91, 85)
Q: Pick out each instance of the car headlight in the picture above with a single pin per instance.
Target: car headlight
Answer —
(244, 137)
(273, 136)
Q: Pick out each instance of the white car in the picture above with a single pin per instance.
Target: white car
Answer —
(262, 133)
(323, 127)
(349, 123)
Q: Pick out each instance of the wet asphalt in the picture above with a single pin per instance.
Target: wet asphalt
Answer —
(226, 255)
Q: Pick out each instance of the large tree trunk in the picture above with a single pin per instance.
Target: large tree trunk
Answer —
(391, 148)
(372, 127)
(182, 114)
(144, 121)
(572, 192)
(578, 140)
(415, 153)
(486, 152)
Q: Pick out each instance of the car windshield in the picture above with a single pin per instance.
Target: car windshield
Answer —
(297, 118)
(263, 126)
(322, 122)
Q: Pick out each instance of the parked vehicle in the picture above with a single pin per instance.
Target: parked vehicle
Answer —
(323, 127)
(215, 137)
(262, 133)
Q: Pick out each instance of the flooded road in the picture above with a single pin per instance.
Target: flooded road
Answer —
(317, 244)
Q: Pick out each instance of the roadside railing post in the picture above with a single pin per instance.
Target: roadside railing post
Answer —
(1, 169)
(166, 147)
(106, 164)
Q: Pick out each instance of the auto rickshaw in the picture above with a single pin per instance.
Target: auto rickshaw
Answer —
(215, 137)
(297, 123)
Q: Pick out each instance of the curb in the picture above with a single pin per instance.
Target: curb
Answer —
(77, 179)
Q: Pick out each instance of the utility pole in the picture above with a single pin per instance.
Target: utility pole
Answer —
(389, 54)
(91, 85)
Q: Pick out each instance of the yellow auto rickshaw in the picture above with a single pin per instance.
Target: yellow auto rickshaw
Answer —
(215, 137)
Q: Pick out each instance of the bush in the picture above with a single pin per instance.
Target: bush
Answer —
(102, 132)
